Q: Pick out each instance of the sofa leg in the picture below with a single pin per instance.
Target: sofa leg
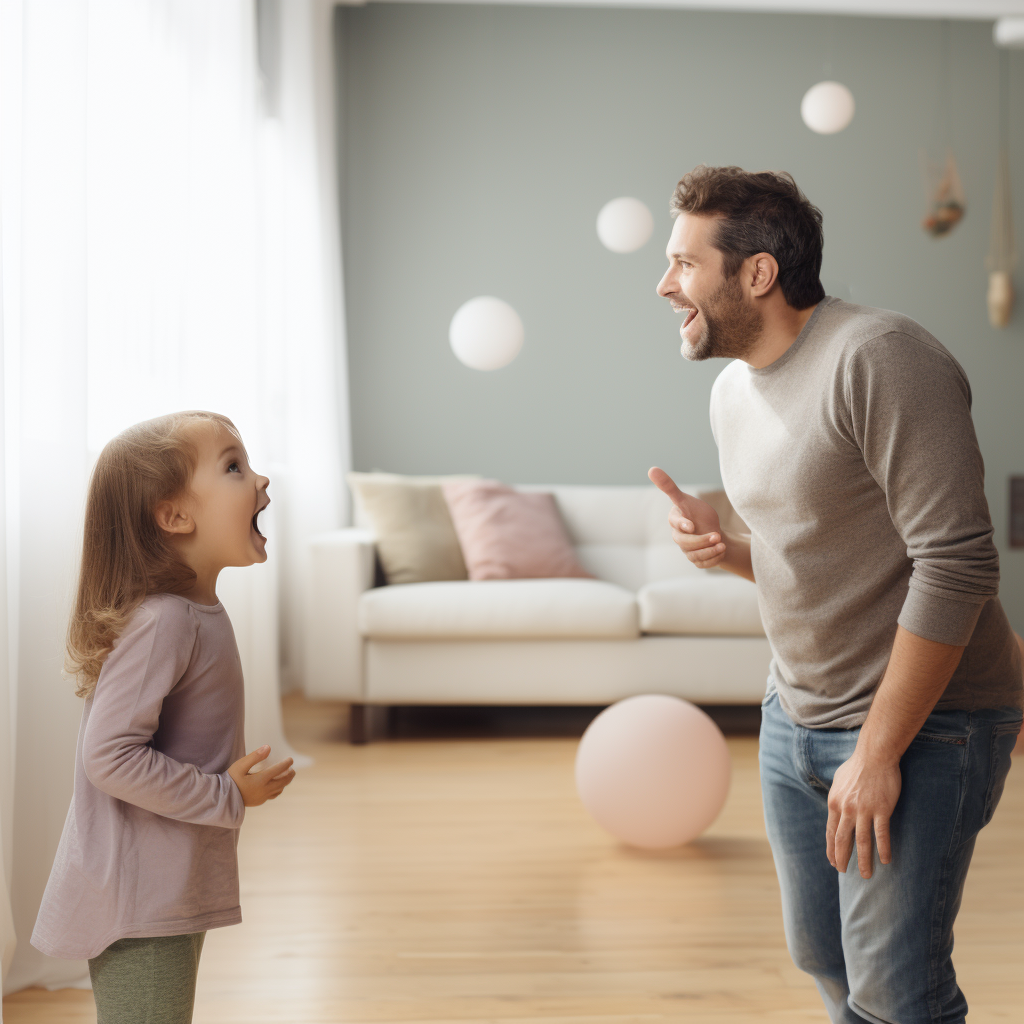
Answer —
(357, 722)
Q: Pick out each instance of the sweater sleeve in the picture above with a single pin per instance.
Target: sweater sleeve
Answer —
(149, 659)
(910, 409)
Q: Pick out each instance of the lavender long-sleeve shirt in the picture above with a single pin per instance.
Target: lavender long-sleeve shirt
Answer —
(149, 845)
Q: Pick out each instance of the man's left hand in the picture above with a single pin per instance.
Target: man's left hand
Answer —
(860, 804)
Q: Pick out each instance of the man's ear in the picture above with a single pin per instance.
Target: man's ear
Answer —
(171, 517)
(764, 274)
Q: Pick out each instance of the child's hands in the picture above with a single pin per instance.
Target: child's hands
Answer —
(263, 785)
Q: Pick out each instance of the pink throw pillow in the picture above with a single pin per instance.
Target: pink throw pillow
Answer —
(506, 534)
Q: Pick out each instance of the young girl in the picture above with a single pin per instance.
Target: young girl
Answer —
(147, 860)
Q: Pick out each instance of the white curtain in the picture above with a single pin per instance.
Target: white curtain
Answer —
(170, 241)
(9, 76)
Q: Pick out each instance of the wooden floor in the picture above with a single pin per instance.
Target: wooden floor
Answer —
(459, 880)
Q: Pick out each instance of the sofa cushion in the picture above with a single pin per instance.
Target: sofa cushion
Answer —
(506, 609)
(621, 533)
(416, 540)
(506, 534)
(707, 605)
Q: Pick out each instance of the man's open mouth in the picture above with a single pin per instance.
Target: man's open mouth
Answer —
(690, 314)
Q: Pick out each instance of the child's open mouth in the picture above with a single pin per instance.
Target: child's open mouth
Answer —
(255, 521)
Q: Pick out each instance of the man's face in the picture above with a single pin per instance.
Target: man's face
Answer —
(719, 318)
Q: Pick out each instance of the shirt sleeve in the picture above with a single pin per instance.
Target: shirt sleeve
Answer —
(149, 658)
(910, 409)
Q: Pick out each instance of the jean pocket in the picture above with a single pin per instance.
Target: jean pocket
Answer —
(1004, 739)
(953, 727)
(935, 737)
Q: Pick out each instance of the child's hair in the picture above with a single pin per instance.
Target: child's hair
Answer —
(124, 554)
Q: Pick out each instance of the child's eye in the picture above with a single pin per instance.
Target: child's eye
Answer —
(234, 465)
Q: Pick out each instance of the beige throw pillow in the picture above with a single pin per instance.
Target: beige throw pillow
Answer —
(416, 540)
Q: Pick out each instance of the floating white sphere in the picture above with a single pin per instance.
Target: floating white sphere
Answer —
(653, 771)
(486, 333)
(1009, 32)
(624, 224)
(827, 107)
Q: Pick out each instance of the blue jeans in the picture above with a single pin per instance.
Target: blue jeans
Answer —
(880, 949)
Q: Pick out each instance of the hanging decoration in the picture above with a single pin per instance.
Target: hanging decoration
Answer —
(944, 192)
(946, 201)
(1002, 256)
(486, 333)
(624, 224)
(827, 107)
(1002, 252)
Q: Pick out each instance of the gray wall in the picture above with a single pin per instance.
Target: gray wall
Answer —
(480, 142)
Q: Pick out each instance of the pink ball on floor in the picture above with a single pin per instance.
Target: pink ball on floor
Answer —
(653, 770)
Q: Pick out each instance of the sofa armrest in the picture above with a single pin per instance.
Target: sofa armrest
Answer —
(341, 570)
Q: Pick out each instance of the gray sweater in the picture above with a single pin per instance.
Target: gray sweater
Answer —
(149, 844)
(853, 460)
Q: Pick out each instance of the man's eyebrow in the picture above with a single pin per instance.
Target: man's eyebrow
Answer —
(682, 256)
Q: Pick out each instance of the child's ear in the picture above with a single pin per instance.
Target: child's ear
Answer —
(172, 518)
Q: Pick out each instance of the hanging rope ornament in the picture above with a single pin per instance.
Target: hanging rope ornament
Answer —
(944, 192)
(946, 200)
(1002, 251)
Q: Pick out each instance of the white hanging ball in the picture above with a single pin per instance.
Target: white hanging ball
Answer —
(827, 107)
(624, 224)
(486, 333)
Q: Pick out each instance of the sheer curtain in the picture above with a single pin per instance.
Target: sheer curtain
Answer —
(169, 241)
(9, 77)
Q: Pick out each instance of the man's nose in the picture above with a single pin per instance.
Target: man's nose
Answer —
(665, 288)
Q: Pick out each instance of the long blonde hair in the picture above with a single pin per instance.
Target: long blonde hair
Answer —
(124, 554)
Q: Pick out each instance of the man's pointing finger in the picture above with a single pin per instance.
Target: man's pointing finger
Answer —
(666, 485)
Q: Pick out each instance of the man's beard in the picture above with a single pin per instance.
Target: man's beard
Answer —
(731, 327)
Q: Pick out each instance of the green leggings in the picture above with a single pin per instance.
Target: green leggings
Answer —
(147, 981)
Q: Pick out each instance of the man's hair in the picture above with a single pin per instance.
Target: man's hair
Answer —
(762, 211)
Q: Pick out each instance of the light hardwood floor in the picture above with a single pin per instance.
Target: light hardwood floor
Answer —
(461, 881)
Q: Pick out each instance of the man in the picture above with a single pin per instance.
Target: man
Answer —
(846, 445)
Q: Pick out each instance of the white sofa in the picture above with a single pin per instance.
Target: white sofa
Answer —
(650, 621)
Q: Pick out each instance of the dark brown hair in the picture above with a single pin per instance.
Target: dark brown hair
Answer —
(124, 555)
(761, 211)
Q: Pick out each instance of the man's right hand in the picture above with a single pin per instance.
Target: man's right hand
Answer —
(695, 526)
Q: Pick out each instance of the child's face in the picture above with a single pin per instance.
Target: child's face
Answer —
(227, 495)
